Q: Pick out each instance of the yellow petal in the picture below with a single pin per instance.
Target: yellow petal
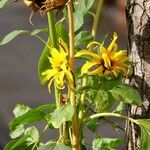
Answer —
(54, 53)
(59, 79)
(102, 49)
(87, 66)
(86, 53)
(120, 55)
(49, 85)
(97, 71)
(107, 62)
(91, 44)
(63, 46)
(112, 44)
(49, 73)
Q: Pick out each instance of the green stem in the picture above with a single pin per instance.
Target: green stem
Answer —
(82, 104)
(75, 131)
(84, 82)
(51, 28)
(96, 17)
(109, 115)
(53, 42)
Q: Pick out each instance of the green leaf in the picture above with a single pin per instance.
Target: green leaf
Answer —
(3, 3)
(80, 10)
(37, 31)
(145, 139)
(127, 94)
(20, 109)
(120, 107)
(46, 107)
(61, 115)
(33, 134)
(10, 144)
(83, 38)
(145, 123)
(19, 130)
(101, 101)
(28, 117)
(61, 32)
(93, 124)
(54, 146)
(43, 63)
(9, 37)
(16, 144)
(105, 143)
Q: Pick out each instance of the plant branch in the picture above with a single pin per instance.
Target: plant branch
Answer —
(53, 42)
(109, 115)
(96, 17)
(75, 132)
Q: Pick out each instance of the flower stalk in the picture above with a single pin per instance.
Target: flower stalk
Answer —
(75, 131)
(96, 17)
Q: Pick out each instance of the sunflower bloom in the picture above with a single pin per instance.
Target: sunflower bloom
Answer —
(60, 70)
(108, 61)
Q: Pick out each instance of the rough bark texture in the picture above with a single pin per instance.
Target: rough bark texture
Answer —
(138, 22)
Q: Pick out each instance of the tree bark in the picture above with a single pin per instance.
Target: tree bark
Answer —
(138, 23)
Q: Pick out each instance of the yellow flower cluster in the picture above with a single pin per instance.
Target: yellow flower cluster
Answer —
(60, 70)
(108, 61)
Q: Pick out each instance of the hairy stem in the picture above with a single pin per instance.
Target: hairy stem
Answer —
(75, 131)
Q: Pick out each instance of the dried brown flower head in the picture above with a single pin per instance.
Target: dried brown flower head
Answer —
(45, 5)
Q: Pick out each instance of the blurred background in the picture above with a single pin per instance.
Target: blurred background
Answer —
(19, 81)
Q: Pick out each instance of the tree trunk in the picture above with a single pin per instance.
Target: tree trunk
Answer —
(138, 23)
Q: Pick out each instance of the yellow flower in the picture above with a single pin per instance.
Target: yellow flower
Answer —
(108, 61)
(60, 70)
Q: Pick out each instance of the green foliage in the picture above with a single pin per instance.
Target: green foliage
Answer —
(145, 133)
(145, 123)
(30, 136)
(17, 144)
(101, 101)
(145, 139)
(105, 143)
(61, 115)
(93, 124)
(18, 131)
(54, 146)
(82, 39)
(120, 107)
(127, 94)
(33, 134)
(94, 95)
(80, 10)
(30, 116)
(12, 35)
(20, 109)
(3, 3)
(61, 32)
(43, 62)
